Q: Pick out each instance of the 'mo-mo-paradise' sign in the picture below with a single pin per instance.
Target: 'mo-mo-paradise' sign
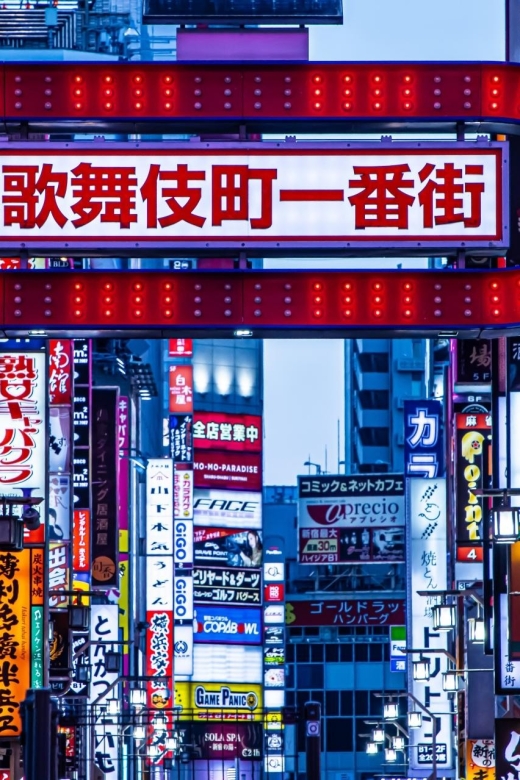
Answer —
(334, 195)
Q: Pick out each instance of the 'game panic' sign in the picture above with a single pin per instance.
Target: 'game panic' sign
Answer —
(335, 196)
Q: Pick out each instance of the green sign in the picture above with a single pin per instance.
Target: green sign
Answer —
(37, 647)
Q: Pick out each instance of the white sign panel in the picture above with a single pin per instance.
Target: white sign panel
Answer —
(228, 508)
(104, 627)
(262, 195)
(183, 489)
(159, 507)
(183, 542)
(183, 597)
(232, 663)
(427, 551)
(183, 650)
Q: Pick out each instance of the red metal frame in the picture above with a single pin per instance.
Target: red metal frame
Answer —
(268, 302)
(260, 96)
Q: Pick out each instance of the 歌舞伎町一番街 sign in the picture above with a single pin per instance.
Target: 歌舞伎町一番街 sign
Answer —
(270, 195)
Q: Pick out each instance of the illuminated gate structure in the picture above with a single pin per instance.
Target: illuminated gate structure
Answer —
(241, 198)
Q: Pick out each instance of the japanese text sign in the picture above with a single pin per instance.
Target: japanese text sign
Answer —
(473, 360)
(202, 701)
(60, 371)
(341, 194)
(226, 586)
(220, 431)
(230, 470)
(355, 519)
(423, 445)
(345, 612)
(427, 552)
(480, 759)
(181, 389)
(473, 439)
(180, 347)
(15, 631)
(104, 629)
(507, 741)
(104, 535)
(23, 428)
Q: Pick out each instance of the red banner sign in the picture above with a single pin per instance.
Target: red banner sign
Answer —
(230, 470)
(180, 347)
(81, 540)
(219, 431)
(60, 371)
(345, 612)
(181, 389)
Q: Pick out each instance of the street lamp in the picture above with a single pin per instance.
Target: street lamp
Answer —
(476, 630)
(444, 617)
(378, 735)
(138, 697)
(372, 748)
(421, 670)
(414, 719)
(391, 711)
(398, 743)
(139, 732)
(450, 682)
(390, 755)
(505, 523)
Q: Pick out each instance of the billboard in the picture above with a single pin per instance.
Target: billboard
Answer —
(23, 429)
(226, 509)
(60, 372)
(329, 505)
(472, 443)
(357, 545)
(181, 389)
(180, 347)
(227, 624)
(423, 440)
(183, 491)
(15, 628)
(181, 439)
(228, 432)
(227, 546)
(223, 741)
(480, 759)
(265, 195)
(345, 612)
(103, 629)
(216, 585)
(214, 701)
(427, 563)
(507, 739)
(230, 470)
(105, 537)
(233, 663)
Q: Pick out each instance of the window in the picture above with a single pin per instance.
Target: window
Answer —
(361, 698)
(346, 699)
(303, 654)
(309, 676)
(289, 652)
(331, 653)
(361, 652)
(332, 703)
(376, 652)
(374, 437)
(374, 399)
(339, 735)
(317, 653)
(373, 362)
(345, 653)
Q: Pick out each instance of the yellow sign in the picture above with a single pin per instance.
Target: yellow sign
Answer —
(15, 642)
(480, 759)
(218, 701)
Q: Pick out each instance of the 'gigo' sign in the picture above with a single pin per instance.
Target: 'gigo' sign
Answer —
(264, 196)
